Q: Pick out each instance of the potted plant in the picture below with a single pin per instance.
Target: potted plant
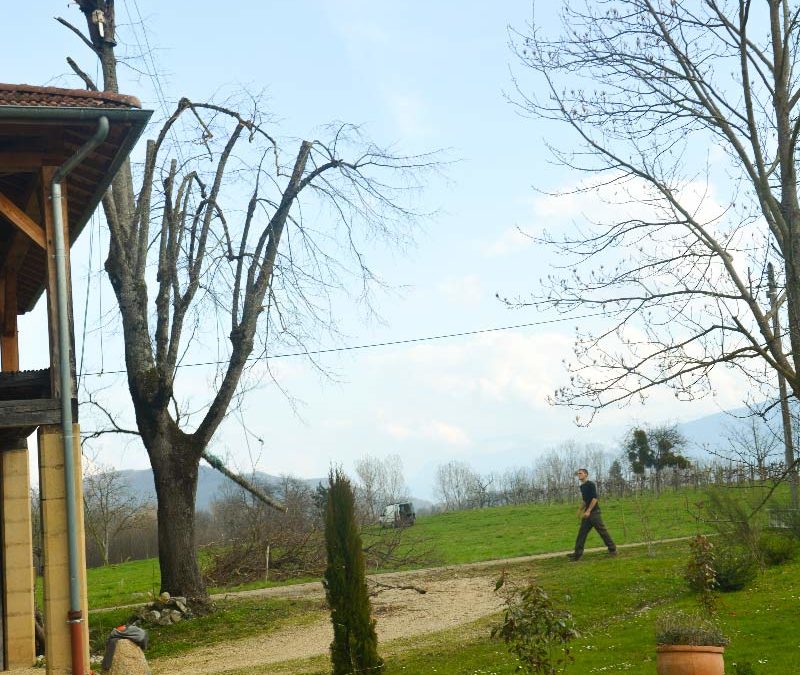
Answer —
(688, 644)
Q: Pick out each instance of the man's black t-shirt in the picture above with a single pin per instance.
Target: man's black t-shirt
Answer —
(589, 492)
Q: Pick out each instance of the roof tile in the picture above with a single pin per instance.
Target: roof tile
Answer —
(26, 95)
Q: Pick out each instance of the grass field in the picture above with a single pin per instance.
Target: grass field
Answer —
(615, 601)
(461, 537)
(511, 531)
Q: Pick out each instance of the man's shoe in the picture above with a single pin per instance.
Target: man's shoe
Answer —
(612, 554)
(572, 557)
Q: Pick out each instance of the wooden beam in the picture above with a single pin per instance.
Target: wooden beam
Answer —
(31, 384)
(9, 341)
(24, 162)
(29, 413)
(22, 220)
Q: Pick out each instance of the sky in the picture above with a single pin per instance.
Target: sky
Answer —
(419, 76)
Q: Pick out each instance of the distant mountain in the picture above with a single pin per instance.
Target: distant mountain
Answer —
(714, 431)
(210, 485)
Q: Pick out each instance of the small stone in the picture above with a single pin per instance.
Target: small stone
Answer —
(152, 616)
(164, 597)
(180, 605)
(165, 619)
(175, 616)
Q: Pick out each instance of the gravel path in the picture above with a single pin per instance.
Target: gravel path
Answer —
(399, 613)
(455, 596)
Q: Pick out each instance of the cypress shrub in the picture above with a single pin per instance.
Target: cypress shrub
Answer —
(355, 644)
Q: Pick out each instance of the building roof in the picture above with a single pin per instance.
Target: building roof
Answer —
(27, 95)
(43, 127)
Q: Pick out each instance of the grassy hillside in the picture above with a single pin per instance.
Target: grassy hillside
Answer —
(466, 536)
(511, 531)
(615, 603)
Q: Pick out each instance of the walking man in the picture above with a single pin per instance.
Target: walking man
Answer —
(589, 513)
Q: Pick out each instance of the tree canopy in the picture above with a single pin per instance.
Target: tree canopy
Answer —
(682, 118)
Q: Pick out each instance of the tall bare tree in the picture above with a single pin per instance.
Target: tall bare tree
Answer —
(380, 482)
(684, 117)
(457, 485)
(110, 506)
(221, 229)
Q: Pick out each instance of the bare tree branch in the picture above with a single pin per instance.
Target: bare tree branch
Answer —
(90, 85)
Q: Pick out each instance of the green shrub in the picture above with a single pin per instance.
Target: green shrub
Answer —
(743, 668)
(683, 628)
(355, 644)
(735, 568)
(700, 573)
(536, 631)
(776, 549)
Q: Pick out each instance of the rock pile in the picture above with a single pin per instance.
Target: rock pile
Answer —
(164, 611)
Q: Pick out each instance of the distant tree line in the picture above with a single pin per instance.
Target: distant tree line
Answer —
(249, 540)
(650, 459)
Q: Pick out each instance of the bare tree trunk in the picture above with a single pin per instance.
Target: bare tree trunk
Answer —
(175, 479)
(786, 418)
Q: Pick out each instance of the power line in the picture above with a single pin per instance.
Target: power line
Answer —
(374, 345)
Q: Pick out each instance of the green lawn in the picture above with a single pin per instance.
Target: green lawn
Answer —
(460, 537)
(511, 531)
(615, 600)
(615, 603)
(233, 619)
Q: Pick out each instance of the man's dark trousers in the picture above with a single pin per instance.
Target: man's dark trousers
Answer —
(593, 520)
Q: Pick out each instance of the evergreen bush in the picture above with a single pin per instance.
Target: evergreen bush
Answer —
(354, 648)
(776, 549)
(735, 567)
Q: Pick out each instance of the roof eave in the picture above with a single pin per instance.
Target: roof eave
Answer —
(136, 118)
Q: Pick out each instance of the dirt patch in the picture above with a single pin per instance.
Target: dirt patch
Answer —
(447, 603)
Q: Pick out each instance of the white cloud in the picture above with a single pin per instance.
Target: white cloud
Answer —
(605, 198)
(408, 111)
(466, 291)
(512, 240)
(420, 429)
(448, 433)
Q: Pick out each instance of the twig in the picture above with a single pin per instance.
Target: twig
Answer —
(380, 587)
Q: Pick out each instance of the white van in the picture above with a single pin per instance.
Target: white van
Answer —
(398, 515)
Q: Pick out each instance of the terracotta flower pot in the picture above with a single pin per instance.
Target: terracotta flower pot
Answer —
(689, 660)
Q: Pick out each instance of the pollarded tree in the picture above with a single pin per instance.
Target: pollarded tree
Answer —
(229, 236)
(685, 119)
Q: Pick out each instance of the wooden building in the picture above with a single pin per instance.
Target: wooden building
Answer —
(67, 143)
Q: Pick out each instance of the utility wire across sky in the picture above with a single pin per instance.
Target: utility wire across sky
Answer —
(372, 345)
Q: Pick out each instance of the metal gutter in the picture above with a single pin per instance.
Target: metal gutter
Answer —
(75, 614)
